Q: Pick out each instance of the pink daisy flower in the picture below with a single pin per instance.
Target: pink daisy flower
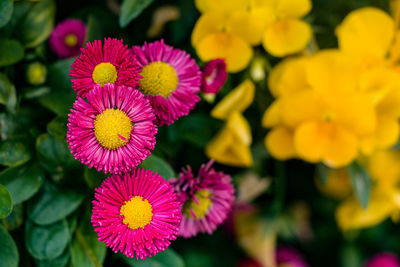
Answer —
(137, 214)
(170, 80)
(98, 64)
(206, 199)
(290, 257)
(113, 131)
(385, 259)
(214, 76)
(67, 38)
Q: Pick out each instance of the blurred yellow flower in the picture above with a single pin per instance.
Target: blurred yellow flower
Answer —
(228, 29)
(384, 201)
(287, 34)
(319, 114)
(231, 146)
(337, 186)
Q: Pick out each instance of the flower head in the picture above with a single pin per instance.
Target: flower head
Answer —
(137, 214)
(67, 38)
(206, 199)
(214, 76)
(113, 131)
(286, 256)
(170, 80)
(385, 259)
(101, 64)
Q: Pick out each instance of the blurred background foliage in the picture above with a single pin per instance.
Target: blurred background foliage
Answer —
(45, 195)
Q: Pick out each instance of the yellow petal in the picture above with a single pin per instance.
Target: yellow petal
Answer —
(237, 100)
(337, 186)
(250, 24)
(387, 133)
(272, 116)
(285, 37)
(395, 11)
(378, 82)
(384, 168)
(350, 215)
(293, 8)
(220, 5)
(213, 22)
(227, 149)
(279, 143)
(239, 125)
(366, 30)
(331, 71)
(288, 77)
(235, 51)
(325, 142)
(301, 107)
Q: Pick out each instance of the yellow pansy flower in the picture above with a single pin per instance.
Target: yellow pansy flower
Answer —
(319, 114)
(231, 146)
(384, 201)
(287, 34)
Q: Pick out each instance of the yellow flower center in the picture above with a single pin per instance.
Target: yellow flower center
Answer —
(137, 212)
(71, 40)
(112, 128)
(328, 116)
(200, 209)
(104, 73)
(159, 78)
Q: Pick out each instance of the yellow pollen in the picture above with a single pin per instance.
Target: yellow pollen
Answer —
(137, 212)
(201, 209)
(159, 78)
(112, 128)
(71, 40)
(328, 116)
(104, 73)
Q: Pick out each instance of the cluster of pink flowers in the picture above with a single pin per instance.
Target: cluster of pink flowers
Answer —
(123, 95)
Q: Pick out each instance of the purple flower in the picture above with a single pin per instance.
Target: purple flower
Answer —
(385, 259)
(67, 38)
(289, 257)
(206, 199)
(214, 76)
(113, 131)
(170, 80)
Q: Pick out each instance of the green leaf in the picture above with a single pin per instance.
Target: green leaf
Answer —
(8, 253)
(158, 165)
(13, 52)
(54, 154)
(93, 178)
(35, 92)
(62, 96)
(13, 153)
(46, 242)
(167, 258)
(58, 127)
(22, 182)
(94, 31)
(5, 202)
(86, 249)
(6, 9)
(54, 205)
(37, 25)
(350, 256)
(15, 219)
(361, 182)
(130, 9)
(8, 96)
(60, 261)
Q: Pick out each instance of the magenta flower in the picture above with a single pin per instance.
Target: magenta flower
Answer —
(289, 257)
(67, 38)
(137, 214)
(113, 131)
(206, 199)
(385, 259)
(98, 64)
(214, 76)
(171, 80)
